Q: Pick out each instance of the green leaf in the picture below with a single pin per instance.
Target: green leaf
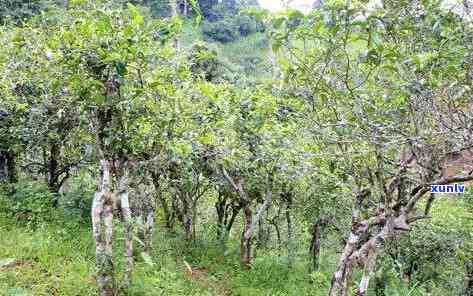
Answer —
(147, 259)
(103, 26)
(207, 138)
(99, 99)
(121, 68)
(137, 18)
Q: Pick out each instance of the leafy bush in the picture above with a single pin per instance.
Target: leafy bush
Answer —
(203, 61)
(31, 202)
(431, 254)
(159, 8)
(223, 31)
(77, 198)
(246, 25)
(215, 12)
(17, 10)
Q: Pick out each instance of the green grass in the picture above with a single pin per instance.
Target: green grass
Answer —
(246, 57)
(54, 261)
(47, 261)
(57, 258)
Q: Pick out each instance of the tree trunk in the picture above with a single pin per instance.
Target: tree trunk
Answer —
(262, 234)
(185, 8)
(469, 278)
(342, 275)
(53, 176)
(8, 167)
(11, 168)
(149, 231)
(249, 227)
(3, 167)
(194, 218)
(357, 253)
(127, 219)
(315, 243)
(278, 233)
(53, 165)
(290, 233)
(229, 223)
(341, 279)
(367, 274)
(102, 223)
(176, 212)
(246, 238)
(227, 211)
(187, 216)
(249, 222)
(144, 207)
(274, 221)
(221, 207)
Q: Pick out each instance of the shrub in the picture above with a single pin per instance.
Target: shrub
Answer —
(224, 30)
(246, 25)
(77, 200)
(31, 202)
(203, 61)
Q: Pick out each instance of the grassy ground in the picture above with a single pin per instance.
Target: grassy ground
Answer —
(47, 261)
(246, 58)
(58, 259)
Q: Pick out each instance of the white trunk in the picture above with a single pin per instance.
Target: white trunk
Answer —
(127, 219)
(102, 223)
(367, 275)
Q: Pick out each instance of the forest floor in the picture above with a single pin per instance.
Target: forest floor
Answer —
(58, 259)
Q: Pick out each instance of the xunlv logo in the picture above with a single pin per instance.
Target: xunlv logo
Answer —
(452, 188)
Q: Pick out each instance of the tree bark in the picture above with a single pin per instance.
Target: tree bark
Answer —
(235, 211)
(249, 222)
(8, 167)
(290, 232)
(53, 165)
(221, 209)
(123, 197)
(367, 274)
(187, 215)
(176, 212)
(246, 238)
(227, 211)
(278, 233)
(249, 228)
(469, 278)
(358, 253)
(3, 166)
(263, 234)
(274, 221)
(11, 167)
(315, 243)
(102, 223)
(194, 218)
(185, 11)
